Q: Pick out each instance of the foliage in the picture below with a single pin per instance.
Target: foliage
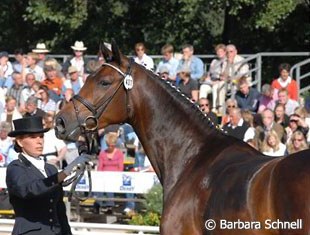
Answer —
(265, 25)
(149, 218)
(154, 199)
(153, 205)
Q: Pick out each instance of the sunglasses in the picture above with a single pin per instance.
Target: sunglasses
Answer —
(202, 105)
(231, 106)
(139, 49)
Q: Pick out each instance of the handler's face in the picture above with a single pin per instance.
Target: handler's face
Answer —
(32, 144)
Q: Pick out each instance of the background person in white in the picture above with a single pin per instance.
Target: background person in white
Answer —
(168, 62)
(142, 58)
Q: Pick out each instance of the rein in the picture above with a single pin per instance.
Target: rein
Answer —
(89, 129)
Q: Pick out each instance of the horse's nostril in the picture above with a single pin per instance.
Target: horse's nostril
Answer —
(60, 126)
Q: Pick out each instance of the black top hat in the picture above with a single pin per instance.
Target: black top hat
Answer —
(27, 125)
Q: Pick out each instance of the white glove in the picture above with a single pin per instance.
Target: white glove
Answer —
(80, 160)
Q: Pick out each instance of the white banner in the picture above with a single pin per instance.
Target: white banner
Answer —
(103, 181)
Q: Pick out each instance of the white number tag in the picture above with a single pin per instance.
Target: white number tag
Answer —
(128, 82)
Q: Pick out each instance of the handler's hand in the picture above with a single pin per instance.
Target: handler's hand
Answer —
(80, 160)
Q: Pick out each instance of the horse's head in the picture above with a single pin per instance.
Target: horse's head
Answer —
(102, 100)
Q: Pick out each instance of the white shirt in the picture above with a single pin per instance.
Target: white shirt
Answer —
(146, 61)
(38, 162)
(37, 71)
(52, 144)
(280, 152)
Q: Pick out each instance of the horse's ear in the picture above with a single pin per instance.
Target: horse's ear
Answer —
(105, 51)
(116, 52)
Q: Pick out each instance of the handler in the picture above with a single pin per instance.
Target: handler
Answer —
(35, 187)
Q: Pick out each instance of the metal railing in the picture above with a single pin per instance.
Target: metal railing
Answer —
(77, 228)
(297, 74)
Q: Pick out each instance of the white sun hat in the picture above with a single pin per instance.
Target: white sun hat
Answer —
(79, 46)
(40, 48)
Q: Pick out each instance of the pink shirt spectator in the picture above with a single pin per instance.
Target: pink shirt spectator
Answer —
(111, 161)
(266, 102)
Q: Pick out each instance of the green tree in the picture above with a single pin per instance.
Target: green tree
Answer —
(267, 25)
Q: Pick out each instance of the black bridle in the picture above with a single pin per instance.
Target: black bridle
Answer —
(89, 127)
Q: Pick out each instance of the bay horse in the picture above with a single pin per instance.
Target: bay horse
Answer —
(212, 183)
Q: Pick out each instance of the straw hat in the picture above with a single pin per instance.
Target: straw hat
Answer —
(72, 69)
(79, 46)
(40, 48)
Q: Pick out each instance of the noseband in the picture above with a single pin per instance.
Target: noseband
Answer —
(89, 126)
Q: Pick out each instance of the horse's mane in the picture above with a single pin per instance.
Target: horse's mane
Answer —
(183, 100)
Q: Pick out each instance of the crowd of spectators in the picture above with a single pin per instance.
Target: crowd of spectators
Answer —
(272, 121)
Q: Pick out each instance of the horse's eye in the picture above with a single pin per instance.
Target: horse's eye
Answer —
(104, 83)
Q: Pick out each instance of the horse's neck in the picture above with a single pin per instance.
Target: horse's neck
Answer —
(169, 132)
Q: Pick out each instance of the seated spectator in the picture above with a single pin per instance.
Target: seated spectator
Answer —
(75, 82)
(52, 81)
(141, 56)
(54, 149)
(296, 123)
(42, 51)
(6, 70)
(27, 91)
(304, 114)
(110, 159)
(205, 107)
(229, 104)
(290, 105)
(268, 124)
(187, 85)
(286, 82)
(297, 143)
(280, 116)
(5, 141)
(249, 118)
(247, 97)
(169, 62)
(32, 67)
(272, 145)
(78, 60)
(267, 99)
(20, 61)
(45, 102)
(12, 154)
(10, 112)
(191, 61)
(235, 67)
(16, 89)
(215, 81)
(236, 127)
(32, 108)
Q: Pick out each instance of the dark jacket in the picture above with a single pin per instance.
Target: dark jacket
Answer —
(237, 132)
(37, 201)
(38, 113)
(250, 101)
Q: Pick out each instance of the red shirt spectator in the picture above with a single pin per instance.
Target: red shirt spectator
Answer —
(285, 81)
